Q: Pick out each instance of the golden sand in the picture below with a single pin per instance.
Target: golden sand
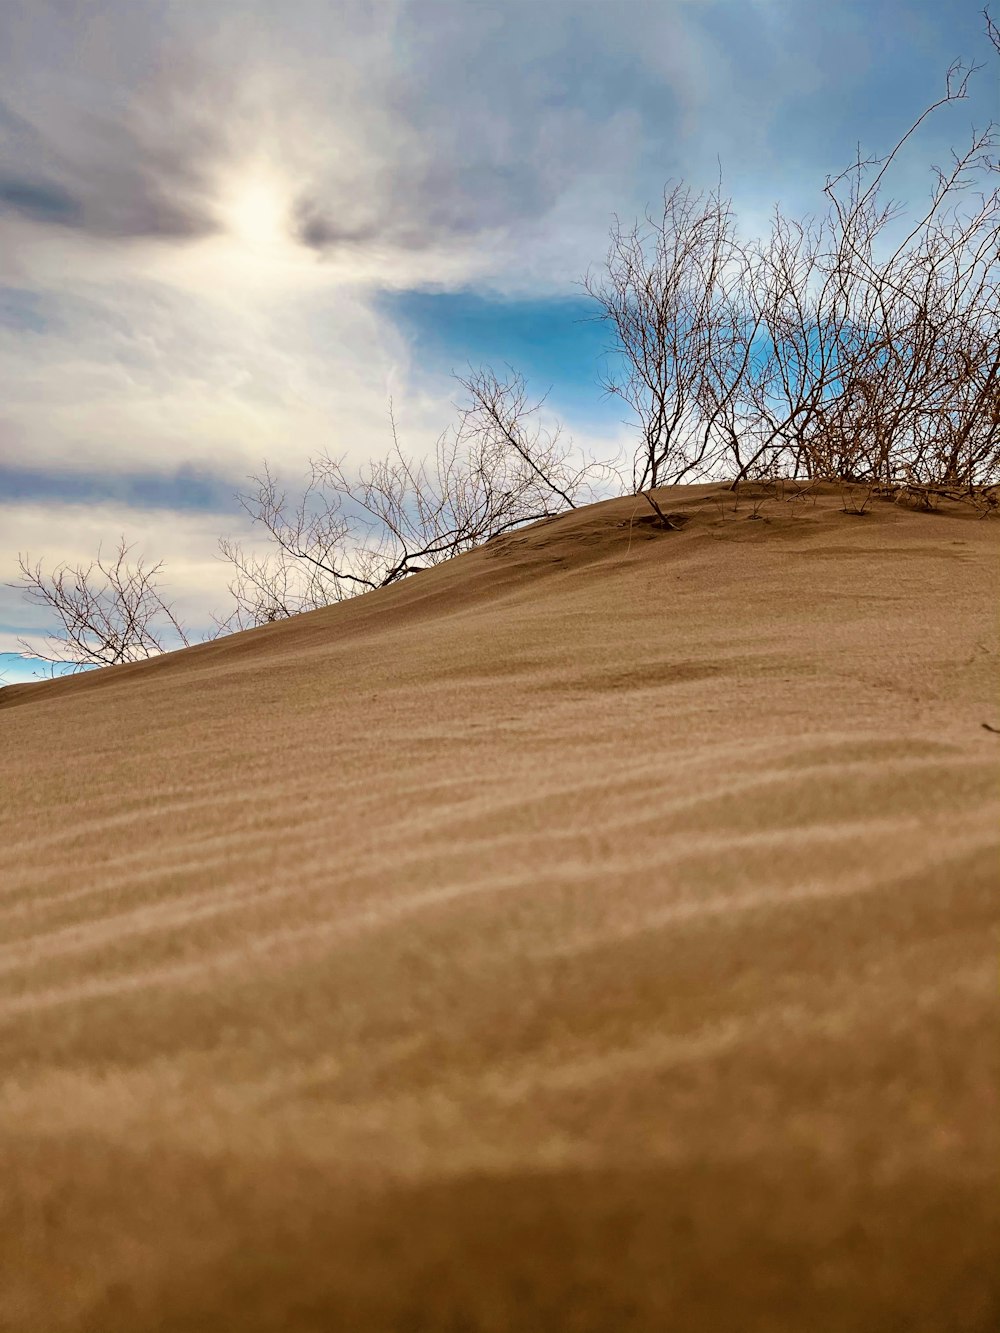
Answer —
(597, 932)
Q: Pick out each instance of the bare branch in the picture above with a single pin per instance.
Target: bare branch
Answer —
(349, 532)
(107, 612)
(851, 346)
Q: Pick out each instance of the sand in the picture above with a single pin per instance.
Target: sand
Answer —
(597, 932)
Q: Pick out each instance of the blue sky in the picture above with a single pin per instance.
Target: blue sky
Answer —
(556, 339)
(235, 232)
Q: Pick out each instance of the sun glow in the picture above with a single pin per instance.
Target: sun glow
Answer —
(256, 211)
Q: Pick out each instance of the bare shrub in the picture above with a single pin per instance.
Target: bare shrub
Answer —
(917, 358)
(858, 346)
(672, 291)
(107, 612)
(343, 534)
(351, 532)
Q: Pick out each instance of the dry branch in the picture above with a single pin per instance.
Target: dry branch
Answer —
(108, 612)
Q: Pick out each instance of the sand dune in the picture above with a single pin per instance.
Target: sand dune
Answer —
(597, 932)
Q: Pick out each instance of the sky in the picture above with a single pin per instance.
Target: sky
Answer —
(234, 231)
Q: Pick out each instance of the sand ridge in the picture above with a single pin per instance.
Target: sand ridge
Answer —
(598, 931)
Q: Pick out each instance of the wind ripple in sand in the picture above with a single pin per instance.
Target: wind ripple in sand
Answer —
(377, 980)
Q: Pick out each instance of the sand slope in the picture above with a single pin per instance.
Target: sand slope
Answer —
(598, 932)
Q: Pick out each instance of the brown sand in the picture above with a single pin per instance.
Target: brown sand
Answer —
(598, 932)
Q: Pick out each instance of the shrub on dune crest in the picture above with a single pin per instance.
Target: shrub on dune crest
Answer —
(858, 346)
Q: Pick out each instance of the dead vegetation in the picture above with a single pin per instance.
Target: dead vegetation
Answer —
(107, 612)
(860, 346)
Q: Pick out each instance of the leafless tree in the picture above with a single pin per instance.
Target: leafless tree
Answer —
(108, 611)
(351, 532)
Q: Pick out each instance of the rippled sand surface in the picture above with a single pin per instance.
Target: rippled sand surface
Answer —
(598, 932)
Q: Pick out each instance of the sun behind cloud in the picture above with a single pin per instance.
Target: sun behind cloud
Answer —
(255, 209)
